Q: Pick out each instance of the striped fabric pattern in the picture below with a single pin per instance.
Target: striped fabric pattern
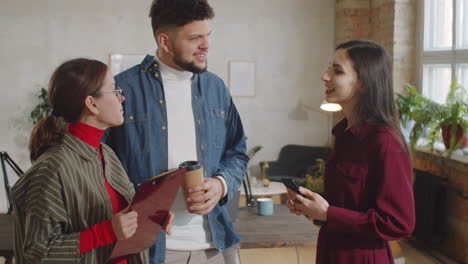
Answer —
(62, 194)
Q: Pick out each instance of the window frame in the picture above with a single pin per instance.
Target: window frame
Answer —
(453, 57)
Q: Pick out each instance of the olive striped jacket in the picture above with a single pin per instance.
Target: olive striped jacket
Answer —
(62, 194)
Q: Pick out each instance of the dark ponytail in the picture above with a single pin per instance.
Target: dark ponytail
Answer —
(69, 86)
(46, 133)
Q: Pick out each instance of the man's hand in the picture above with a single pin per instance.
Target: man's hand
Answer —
(213, 192)
(124, 223)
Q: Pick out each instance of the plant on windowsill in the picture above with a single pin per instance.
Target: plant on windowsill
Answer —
(454, 119)
(430, 117)
(418, 109)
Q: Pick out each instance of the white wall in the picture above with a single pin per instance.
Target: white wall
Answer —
(290, 41)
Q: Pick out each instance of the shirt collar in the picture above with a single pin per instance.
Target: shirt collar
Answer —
(360, 132)
(88, 134)
(171, 73)
(83, 149)
(147, 63)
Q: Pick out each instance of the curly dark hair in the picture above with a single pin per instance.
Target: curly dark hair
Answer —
(178, 12)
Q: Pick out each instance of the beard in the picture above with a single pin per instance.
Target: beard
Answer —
(189, 65)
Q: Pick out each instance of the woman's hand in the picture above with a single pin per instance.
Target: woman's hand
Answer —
(124, 223)
(291, 203)
(313, 205)
(167, 227)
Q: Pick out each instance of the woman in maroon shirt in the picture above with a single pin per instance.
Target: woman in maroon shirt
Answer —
(368, 197)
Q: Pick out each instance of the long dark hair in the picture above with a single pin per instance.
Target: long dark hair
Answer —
(374, 71)
(69, 86)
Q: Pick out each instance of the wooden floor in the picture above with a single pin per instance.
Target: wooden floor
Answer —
(300, 255)
(412, 254)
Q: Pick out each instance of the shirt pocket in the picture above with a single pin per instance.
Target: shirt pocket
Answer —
(136, 125)
(353, 173)
(351, 177)
(218, 128)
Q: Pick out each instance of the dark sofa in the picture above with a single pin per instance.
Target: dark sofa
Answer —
(294, 160)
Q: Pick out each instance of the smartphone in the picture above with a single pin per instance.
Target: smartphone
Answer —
(291, 184)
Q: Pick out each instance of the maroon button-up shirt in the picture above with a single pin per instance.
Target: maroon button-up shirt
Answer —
(369, 188)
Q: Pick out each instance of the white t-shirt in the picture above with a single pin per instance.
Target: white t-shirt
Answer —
(189, 231)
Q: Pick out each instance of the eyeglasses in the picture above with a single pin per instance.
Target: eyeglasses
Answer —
(118, 92)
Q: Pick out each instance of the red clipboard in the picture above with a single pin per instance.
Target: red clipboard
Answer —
(152, 202)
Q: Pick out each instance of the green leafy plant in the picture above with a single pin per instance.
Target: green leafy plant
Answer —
(314, 177)
(454, 115)
(419, 109)
(429, 117)
(43, 109)
(252, 151)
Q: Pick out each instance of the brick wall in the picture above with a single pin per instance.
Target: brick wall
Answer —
(391, 23)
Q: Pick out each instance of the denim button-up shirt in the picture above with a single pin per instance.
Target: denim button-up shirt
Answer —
(141, 143)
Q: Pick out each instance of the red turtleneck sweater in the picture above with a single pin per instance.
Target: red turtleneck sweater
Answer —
(102, 233)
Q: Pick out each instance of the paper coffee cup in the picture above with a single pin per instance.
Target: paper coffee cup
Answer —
(193, 177)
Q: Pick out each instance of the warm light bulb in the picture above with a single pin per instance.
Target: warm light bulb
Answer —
(330, 107)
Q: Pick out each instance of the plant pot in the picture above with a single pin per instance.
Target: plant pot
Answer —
(459, 135)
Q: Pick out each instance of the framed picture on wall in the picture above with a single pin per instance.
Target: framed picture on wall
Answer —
(242, 77)
(120, 62)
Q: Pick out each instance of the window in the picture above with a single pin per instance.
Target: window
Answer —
(445, 46)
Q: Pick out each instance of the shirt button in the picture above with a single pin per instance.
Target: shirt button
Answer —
(199, 121)
(196, 97)
(156, 75)
(131, 117)
(161, 101)
(202, 148)
(163, 128)
(155, 65)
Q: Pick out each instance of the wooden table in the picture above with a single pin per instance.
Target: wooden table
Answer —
(6, 237)
(280, 238)
(282, 229)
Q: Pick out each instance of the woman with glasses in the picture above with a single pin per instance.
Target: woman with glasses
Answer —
(368, 197)
(71, 206)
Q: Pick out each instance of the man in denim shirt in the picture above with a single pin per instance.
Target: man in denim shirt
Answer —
(176, 111)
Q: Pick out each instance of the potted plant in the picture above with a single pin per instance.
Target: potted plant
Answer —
(429, 117)
(453, 118)
(420, 110)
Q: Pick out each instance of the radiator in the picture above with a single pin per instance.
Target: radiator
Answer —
(430, 195)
